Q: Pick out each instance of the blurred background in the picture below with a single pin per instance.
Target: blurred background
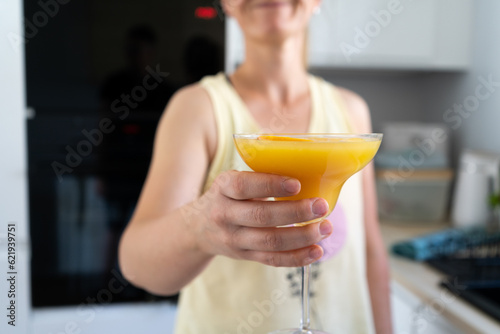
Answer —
(85, 82)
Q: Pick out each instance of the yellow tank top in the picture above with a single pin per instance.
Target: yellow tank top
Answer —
(244, 297)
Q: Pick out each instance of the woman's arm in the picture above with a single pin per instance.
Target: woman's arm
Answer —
(377, 268)
(175, 231)
(159, 242)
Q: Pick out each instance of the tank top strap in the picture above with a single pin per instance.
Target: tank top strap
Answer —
(331, 114)
(231, 116)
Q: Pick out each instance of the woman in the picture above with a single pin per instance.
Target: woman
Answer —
(197, 220)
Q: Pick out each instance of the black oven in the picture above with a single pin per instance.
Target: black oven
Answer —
(99, 74)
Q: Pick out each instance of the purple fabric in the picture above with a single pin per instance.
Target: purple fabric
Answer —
(334, 243)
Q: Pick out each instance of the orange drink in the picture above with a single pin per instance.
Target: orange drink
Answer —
(321, 162)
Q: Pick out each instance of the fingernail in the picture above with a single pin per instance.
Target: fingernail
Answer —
(320, 207)
(291, 185)
(325, 228)
(315, 253)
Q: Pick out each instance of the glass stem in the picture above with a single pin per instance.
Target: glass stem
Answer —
(306, 275)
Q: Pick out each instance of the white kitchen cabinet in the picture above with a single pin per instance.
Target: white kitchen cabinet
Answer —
(391, 34)
(411, 315)
(381, 34)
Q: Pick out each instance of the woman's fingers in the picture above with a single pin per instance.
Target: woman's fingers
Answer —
(296, 258)
(275, 213)
(239, 225)
(281, 239)
(248, 185)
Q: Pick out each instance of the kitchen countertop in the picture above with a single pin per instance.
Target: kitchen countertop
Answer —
(423, 281)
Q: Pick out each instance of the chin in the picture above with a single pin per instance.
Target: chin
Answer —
(277, 33)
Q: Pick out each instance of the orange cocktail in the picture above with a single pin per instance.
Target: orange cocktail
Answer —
(321, 162)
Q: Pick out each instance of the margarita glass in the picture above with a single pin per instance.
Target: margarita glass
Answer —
(321, 162)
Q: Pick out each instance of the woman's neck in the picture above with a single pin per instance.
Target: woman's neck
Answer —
(276, 71)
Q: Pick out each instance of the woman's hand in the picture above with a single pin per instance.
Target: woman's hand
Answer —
(238, 224)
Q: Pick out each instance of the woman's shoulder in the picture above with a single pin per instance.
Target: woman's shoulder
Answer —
(190, 110)
(357, 108)
(191, 100)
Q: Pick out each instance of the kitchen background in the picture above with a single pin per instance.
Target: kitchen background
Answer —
(413, 61)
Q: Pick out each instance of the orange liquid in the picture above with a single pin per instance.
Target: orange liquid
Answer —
(322, 165)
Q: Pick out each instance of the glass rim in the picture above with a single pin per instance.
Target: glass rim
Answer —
(310, 135)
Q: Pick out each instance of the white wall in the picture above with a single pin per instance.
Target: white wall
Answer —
(12, 125)
(13, 174)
